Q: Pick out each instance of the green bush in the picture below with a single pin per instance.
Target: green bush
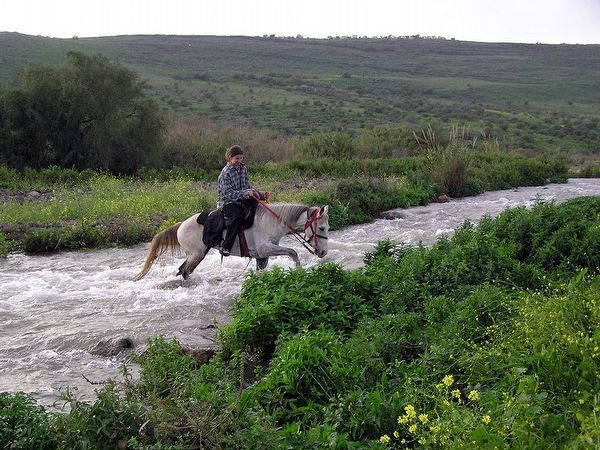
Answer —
(590, 172)
(449, 169)
(165, 370)
(75, 238)
(497, 170)
(4, 246)
(281, 302)
(308, 369)
(110, 422)
(24, 424)
(9, 178)
(383, 142)
(550, 237)
(42, 241)
(363, 199)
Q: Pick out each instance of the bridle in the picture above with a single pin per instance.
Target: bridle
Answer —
(311, 223)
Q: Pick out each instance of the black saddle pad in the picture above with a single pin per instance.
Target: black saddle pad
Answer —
(214, 224)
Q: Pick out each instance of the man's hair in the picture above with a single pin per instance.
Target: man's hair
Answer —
(232, 151)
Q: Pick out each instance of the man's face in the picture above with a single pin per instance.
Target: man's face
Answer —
(236, 161)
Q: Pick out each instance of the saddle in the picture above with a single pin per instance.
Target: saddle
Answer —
(214, 224)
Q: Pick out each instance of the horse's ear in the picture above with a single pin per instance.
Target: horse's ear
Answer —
(324, 210)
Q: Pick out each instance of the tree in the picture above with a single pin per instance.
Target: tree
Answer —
(92, 113)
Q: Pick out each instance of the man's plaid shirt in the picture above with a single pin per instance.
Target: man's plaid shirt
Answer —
(232, 184)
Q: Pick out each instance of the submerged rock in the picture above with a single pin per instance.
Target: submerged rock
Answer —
(112, 346)
(391, 215)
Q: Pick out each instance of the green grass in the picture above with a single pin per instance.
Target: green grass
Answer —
(106, 198)
(303, 86)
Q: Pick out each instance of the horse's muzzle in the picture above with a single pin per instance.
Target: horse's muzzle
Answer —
(321, 253)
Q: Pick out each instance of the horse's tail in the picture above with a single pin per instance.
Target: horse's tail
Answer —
(161, 243)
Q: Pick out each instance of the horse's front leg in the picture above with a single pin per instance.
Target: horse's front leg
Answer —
(269, 249)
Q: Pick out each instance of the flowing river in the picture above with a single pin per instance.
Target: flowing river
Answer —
(53, 309)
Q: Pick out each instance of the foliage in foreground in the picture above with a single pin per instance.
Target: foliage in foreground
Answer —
(488, 339)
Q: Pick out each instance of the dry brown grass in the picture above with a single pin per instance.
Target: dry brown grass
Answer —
(201, 142)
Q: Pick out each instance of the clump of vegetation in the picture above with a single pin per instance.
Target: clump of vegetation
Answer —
(24, 423)
(324, 145)
(4, 246)
(111, 125)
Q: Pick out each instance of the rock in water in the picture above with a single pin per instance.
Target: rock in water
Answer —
(200, 354)
(391, 215)
(112, 346)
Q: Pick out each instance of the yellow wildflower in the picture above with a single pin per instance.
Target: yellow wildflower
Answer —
(456, 393)
(410, 411)
(435, 429)
(486, 419)
(396, 435)
(423, 418)
(422, 441)
(448, 380)
(402, 420)
(473, 395)
(412, 428)
(385, 439)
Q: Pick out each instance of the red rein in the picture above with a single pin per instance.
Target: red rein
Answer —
(309, 223)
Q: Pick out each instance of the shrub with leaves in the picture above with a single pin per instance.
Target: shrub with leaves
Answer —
(24, 424)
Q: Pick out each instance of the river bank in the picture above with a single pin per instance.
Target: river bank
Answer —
(100, 210)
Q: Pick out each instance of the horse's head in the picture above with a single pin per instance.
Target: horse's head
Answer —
(316, 229)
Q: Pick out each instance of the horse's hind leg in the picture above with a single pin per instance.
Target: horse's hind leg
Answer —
(190, 263)
(181, 268)
(261, 263)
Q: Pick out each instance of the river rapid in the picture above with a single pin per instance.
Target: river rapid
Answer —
(53, 309)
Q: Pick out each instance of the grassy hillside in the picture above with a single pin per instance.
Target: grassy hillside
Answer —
(530, 96)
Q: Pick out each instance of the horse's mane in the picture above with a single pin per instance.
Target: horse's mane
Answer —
(289, 212)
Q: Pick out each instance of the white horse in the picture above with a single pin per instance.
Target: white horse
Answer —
(271, 223)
